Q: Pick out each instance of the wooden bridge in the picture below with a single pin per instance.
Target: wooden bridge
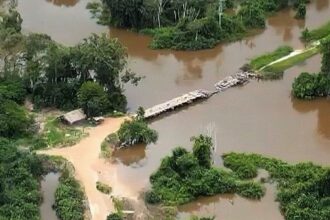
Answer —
(240, 78)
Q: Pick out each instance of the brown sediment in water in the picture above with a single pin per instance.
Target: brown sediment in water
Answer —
(261, 117)
(90, 168)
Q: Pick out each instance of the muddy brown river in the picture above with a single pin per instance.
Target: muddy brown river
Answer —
(260, 117)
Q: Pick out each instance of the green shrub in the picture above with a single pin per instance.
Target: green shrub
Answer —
(152, 198)
(69, 199)
(309, 86)
(104, 188)
(136, 132)
(316, 34)
(115, 216)
(251, 190)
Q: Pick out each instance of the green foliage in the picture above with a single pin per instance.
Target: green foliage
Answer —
(10, 36)
(57, 134)
(12, 87)
(12, 20)
(202, 150)
(14, 119)
(303, 189)
(136, 131)
(309, 86)
(93, 99)
(104, 188)
(316, 34)
(325, 50)
(301, 11)
(114, 216)
(252, 15)
(263, 60)
(152, 198)
(277, 69)
(54, 74)
(183, 177)
(187, 25)
(19, 187)
(69, 199)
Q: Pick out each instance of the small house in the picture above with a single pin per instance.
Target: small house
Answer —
(73, 117)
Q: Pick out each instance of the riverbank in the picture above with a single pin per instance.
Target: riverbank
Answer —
(90, 168)
(287, 128)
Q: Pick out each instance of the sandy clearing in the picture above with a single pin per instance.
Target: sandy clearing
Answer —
(89, 167)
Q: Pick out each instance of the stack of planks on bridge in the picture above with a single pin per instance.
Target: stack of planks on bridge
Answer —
(234, 80)
(237, 79)
(177, 102)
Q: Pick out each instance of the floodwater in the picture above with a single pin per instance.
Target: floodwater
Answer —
(260, 117)
(49, 185)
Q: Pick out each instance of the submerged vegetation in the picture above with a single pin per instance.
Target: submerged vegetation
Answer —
(303, 189)
(184, 176)
(190, 24)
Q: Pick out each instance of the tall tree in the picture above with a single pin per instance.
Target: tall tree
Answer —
(325, 49)
(202, 150)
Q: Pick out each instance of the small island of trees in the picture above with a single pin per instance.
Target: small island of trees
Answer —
(191, 24)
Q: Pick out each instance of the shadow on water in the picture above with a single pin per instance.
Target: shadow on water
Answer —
(134, 156)
(322, 107)
(49, 185)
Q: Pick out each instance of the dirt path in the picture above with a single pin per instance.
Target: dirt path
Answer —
(90, 167)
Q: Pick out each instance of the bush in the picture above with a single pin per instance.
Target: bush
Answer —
(114, 216)
(69, 199)
(136, 132)
(152, 198)
(309, 86)
(251, 190)
(14, 119)
(316, 34)
(104, 188)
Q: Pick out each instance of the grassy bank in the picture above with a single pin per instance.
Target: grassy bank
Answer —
(276, 70)
(263, 60)
(316, 34)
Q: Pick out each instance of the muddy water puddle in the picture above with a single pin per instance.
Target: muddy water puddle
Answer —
(49, 185)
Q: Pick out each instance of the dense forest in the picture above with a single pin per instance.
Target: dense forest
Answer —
(191, 24)
(89, 75)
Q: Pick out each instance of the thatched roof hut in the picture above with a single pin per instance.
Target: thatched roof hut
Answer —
(73, 116)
